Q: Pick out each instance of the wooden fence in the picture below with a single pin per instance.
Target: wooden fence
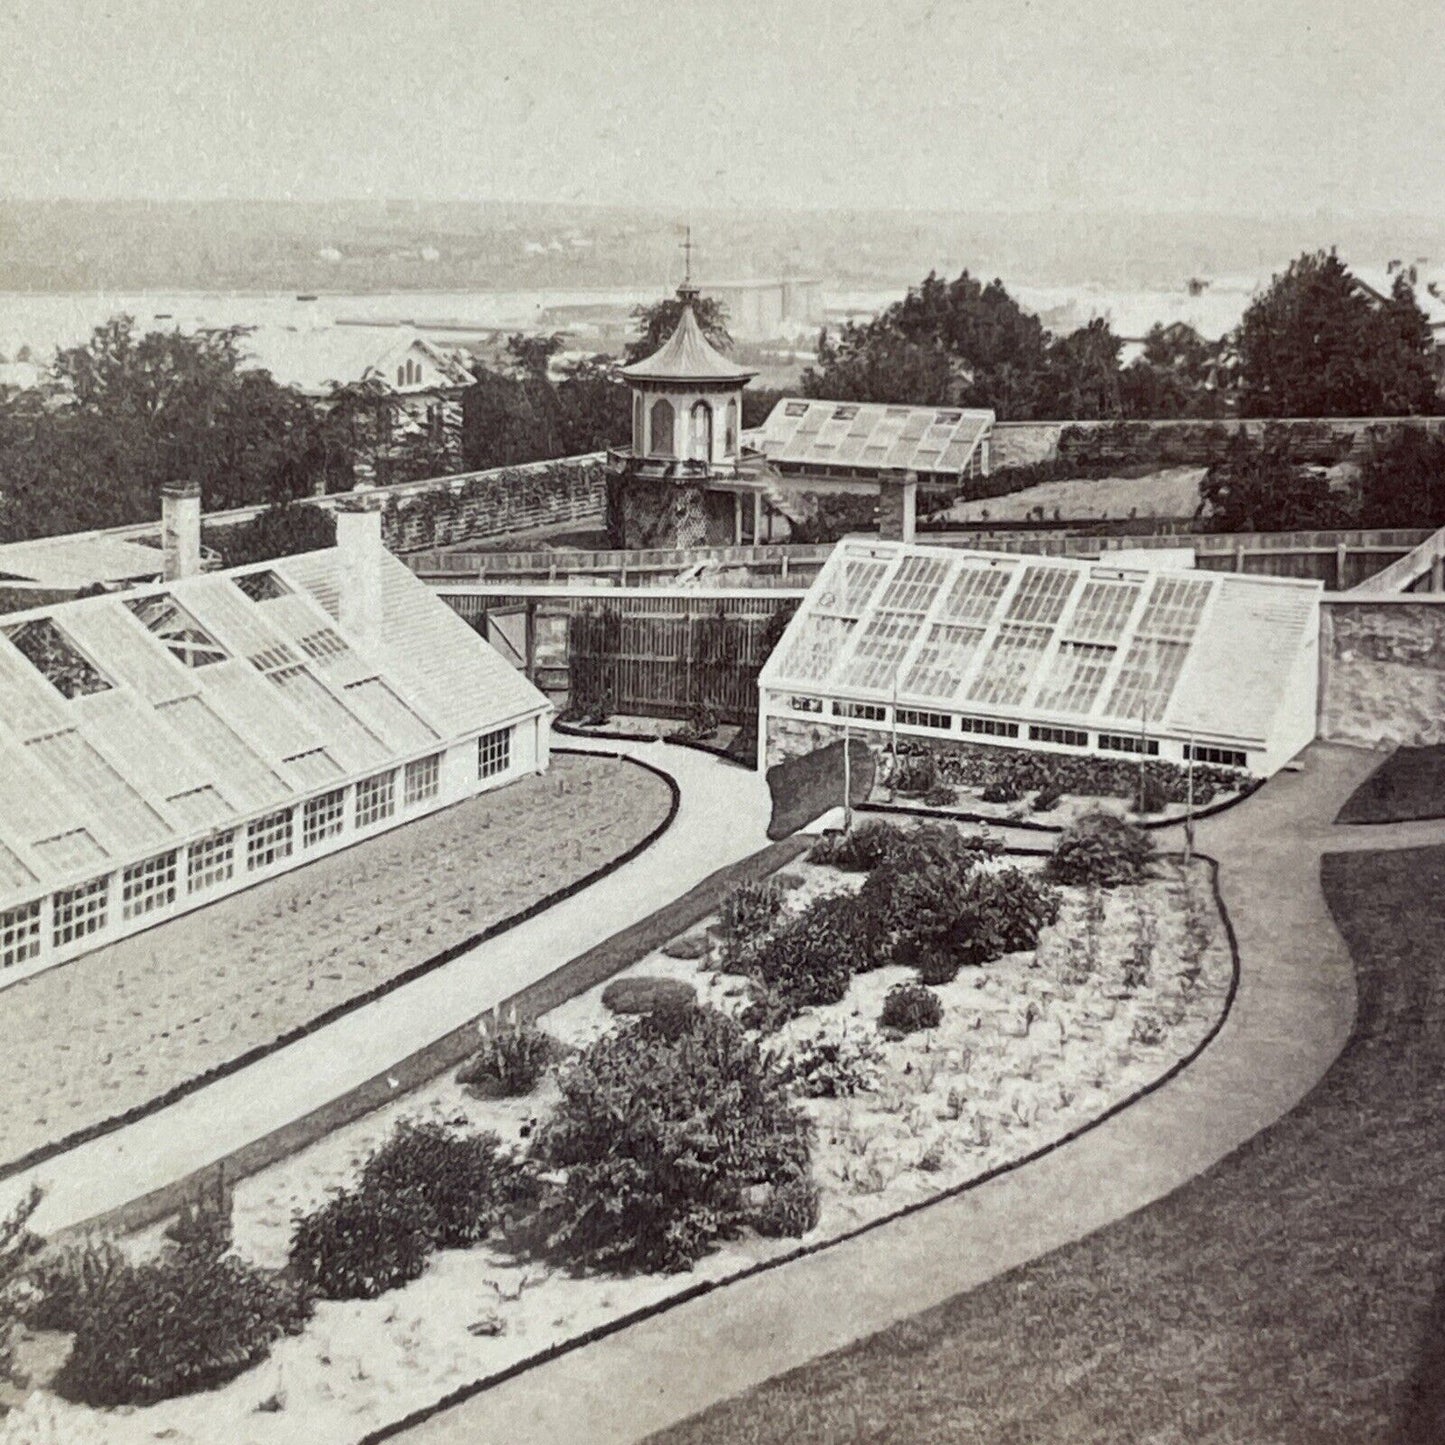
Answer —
(650, 652)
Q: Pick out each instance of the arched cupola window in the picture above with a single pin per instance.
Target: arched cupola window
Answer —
(661, 443)
(699, 440)
(639, 425)
(730, 429)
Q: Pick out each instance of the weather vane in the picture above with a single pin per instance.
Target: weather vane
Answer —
(686, 249)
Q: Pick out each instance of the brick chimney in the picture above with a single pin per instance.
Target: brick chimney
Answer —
(359, 551)
(897, 506)
(181, 530)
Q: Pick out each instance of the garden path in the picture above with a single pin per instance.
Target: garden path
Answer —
(723, 816)
(1291, 1017)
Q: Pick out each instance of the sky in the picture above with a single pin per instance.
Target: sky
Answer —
(1241, 107)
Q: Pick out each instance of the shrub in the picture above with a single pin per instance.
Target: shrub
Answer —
(363, 1242)
(188, 1321)
(1151, 796)
(1001, 790)
(909, 1007)
(789, 1210)
(810, 958)
(662, 1131)
(67, 1282)
(701, 724)
(509, 1062)
(19, 1245)
(831, 1064)
(913, 774)
(857, 851)
(463, 1181)
(746, 915)
(1048, 798)
(645, 995)
(940, 795)
(1100, 849)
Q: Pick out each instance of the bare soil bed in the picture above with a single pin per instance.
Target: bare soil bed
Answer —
(1030, 1049)
(90, 1039)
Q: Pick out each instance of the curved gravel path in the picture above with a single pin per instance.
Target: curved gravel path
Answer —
(1292, 1016)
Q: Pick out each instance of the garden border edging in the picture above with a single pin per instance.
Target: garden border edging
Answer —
(553, 1352)
(46, 1152)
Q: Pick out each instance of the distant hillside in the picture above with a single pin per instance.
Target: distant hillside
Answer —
(385, 246)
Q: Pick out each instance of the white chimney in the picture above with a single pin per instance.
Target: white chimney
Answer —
(181, 529)
(358, 556)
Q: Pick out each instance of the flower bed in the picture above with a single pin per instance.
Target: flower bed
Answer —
(1051, 789)
(1023, 1051)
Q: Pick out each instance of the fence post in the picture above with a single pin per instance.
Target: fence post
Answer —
(1342, 554)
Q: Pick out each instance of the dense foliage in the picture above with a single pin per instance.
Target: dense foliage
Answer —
(428, 1187)
(830, 1064)
(747, 913)
(1316, 344)
(119, 415)
(1100, 849)
(663, 1132)
(189, 1320)
(509, 1062)
(909, 1007)
(811, 956)
(1017, 771)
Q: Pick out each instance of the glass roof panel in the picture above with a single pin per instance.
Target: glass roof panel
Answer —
(880, 648)
(914, 585)
(1103, 611)
(1174, 608)
(1042, 594)
(1008, 668)
(975, 593)
(942, 661)
(1074, 679)
(815, 647)
(1146, 680)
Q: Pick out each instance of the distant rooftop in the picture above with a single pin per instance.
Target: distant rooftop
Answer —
(78, 559)
(311, 358)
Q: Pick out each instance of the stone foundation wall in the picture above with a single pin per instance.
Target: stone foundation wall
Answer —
(1384, 672)
(791, 737)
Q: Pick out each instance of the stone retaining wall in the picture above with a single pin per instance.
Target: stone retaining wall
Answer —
(1383, 672)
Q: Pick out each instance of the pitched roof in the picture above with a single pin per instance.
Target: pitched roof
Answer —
(311, 358)
(168, 711)
(1079, 642)
(688, 356)
(864, 436)
(78, 559)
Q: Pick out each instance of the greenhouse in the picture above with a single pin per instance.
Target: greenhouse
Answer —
(1048, 653)
(163, 746)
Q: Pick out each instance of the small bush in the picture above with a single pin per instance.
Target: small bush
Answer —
(789, 1210)
(940, 795)
(831, 1064)
(509, 1062)
(645, 995)
(1100, 849)
(663, 1131)
(363, 1242)
(172, 1326)
(464, 1181)
(1151, 796)
(746, 915)
(67, 1283)
(810, 958)
(913, 774)
(702, 724)
(1001, 790)
(910, 1007)
(1048, 798)
(857, 851)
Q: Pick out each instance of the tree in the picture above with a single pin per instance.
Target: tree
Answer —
(1402, 481)
(1255, 487)
(595, 407)
(1081, 373)
(1316, 344)
(657, 322)
(874, 361)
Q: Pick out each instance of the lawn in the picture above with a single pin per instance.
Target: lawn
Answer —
(1171, 492)
(1408, 785)
(90, 1039)
(1292, 1293)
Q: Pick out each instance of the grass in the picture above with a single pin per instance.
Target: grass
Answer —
(1294, 1292)
(1408, 785)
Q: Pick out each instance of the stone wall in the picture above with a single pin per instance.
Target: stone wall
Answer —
(1383, 665)
(448, 511)
(1183, 441)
